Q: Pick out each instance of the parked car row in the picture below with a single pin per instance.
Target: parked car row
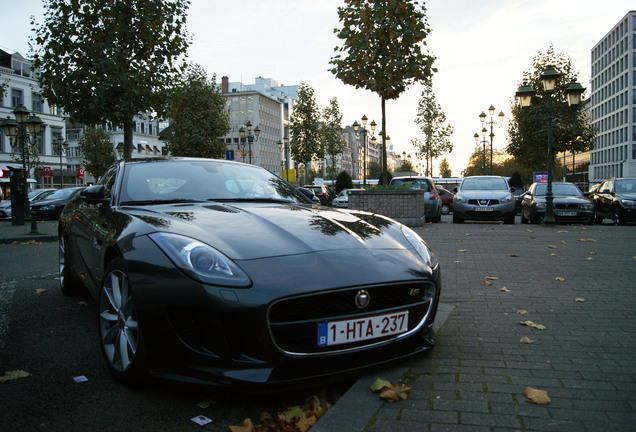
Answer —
(34, 196)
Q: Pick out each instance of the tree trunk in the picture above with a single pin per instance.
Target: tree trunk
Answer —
(128, 138)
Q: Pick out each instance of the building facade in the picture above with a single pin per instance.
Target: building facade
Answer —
(613, 102)
(21, 88)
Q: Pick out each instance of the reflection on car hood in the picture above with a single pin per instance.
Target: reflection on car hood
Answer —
(629, 196)
(258, 230)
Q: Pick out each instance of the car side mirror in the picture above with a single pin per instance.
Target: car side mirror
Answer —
(95, 195)
(455, 189)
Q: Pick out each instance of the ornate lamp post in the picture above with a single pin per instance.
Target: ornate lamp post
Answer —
(549, 78)
(356, 126)
(22, 129)
(250, 138)
(63, 146)
(285, 148)
(492, 123)
(483, 144)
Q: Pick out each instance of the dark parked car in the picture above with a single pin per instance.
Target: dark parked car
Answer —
(615, 198)
(447, 200)
(218, 272)
(432, 201)
(51, 207)
(323, 193)
(568, 204)
(484, 198)
(34, 196)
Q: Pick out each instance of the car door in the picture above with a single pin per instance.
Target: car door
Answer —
(604, 198)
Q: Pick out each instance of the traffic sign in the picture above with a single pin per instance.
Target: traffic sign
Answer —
(229, 154)
(80, 173)
(47, 173)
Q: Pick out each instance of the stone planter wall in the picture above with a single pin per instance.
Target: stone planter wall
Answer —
(404, 206)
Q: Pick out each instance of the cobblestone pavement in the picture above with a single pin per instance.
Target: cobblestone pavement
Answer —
(579, 282)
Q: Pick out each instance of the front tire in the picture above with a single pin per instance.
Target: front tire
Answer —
(445, 209)
(618, 216)
(119, 333)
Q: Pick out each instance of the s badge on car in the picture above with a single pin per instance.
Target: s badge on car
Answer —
(362, 299)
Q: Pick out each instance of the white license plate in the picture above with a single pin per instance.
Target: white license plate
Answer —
(566, 213)
(361, 329)
(484, 209)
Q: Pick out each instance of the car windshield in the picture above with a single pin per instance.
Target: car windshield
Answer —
(202, 180)
(484, 183)
(61, 194)
(558, 189)
(413, 183)
(625, 185)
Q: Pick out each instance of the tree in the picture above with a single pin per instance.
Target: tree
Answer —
(431, 120)
(382, 50)
(305, 126)
(198, 117)
(343, 181)
(330, 131)
(503, 165)
(445, 169)
(406, 166)
(98, 150)
(106, 61)
(528, 129)
(375, 170)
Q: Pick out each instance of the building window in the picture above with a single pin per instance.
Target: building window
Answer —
(36, 102)
(16, 98)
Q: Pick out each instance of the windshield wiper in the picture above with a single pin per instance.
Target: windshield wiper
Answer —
(161, 201)
(263, 200)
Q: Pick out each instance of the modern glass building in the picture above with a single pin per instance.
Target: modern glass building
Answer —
(613, 102)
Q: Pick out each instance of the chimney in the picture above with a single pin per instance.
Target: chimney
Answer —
(225, 84)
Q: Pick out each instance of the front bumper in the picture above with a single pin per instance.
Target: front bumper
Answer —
(266, 335)
(497, 212)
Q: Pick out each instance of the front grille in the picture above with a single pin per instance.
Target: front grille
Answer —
(483, 202)
(564, 206)
(294, 321)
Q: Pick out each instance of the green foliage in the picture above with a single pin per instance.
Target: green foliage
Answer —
(30, 151)
(343, 181)
(445, 169)
(374, 170)
(528, 129)
(406, 166)
(108, 61)
(198, 116)
(431, 120)
(503, 165)
(305, 126)
(382, 43)
(98, 150)
(330, 132)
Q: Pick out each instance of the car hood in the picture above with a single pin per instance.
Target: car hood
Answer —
(484, 194)
(259, 230)
(56, 202)
(564, 199)
(628, 196)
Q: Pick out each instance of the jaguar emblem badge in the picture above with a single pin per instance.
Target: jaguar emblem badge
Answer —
(362, 299)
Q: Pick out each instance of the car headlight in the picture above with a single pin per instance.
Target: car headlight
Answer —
(540, 205)
(589, 206)
(459, 199)
(507, 199)
(47, 207)
(628, 203)
(200, 261)
(420, 246)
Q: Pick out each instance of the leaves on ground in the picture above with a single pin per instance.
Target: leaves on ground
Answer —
(586, 240)
(491, 278)
(461, 250)
(514, 255)
(389, 391)
(533, 325)
(504, 289)
(579, 300)
(40, 291)
(526, 340)
(552, 247)
(522, 312)
(26, 242)
(485, 282)
(536, 396)
(13, 375)
(559, 279)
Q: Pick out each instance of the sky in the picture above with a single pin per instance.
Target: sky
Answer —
(482, 50)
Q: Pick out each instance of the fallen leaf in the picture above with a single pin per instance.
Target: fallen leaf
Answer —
(461, 250)
(552, 247)
(491, 278)
(563, 242)
(305, 423)
(522, 312)
(391, 392)
(561, 232)
(533, 325)
(586, 240)
(40, 291)
(590, 258)
(560, 279)
(553, 254)
(529, 230)
(594, 253)
(294, 412)
(526, 340)
(379, 384)
(247, 426)
(486, 283)
(504, 289)
(467, 234)
(456, 262)
(536, 396)
(13, 375)
(579, 300)
(514, 255)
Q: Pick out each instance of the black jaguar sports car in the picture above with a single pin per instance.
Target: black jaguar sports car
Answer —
(222, 273)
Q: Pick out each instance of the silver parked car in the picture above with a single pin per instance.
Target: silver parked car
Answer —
(342, 199)
(432, 200)
(484, 198)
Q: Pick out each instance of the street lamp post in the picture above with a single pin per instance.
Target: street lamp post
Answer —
(285, 147)
(549, 78)
(483, 145)
(492, 123)
(62, 145)
(356, 126)
(22, 129)
(250, 137)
